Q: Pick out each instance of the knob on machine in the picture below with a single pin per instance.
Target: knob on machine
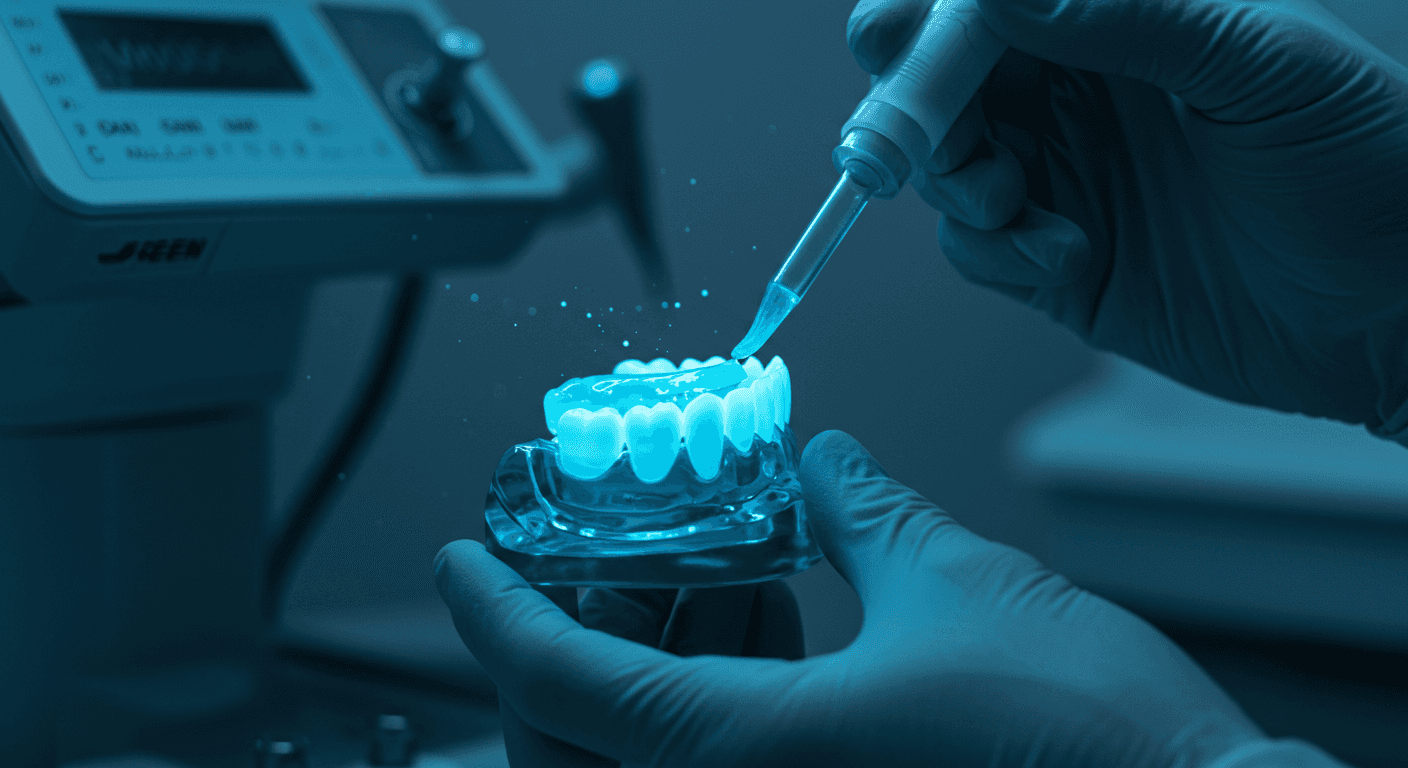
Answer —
(435, 96)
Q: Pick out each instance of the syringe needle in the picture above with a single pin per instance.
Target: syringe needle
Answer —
(892, 132)
(817, 244)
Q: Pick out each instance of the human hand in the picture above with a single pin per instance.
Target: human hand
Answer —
(971, 653)
(752, 620)
(1212, 188)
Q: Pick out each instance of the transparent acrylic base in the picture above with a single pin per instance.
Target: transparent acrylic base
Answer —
(747, 525)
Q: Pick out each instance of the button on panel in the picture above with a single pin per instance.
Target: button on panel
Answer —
(173, 126)
(239, 125)
(110, 128)
(333, 129)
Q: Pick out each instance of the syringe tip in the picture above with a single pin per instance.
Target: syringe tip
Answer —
(776, 304)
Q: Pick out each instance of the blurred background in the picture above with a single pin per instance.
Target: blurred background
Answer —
(1286, 574)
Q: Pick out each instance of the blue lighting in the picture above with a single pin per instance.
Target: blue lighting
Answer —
(600, 78)
(653, 410)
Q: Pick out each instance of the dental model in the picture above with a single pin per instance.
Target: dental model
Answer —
(653, 412)
(657, 475)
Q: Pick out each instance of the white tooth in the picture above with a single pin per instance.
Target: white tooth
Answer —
(753, 368)
(739, 421)
(765, 402)
(690, 362)
(704, 434)
(653, 439)
(782, 387)
(631, 367)
(589, 443)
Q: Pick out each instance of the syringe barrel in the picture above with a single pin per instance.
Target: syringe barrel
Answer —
(920, 95)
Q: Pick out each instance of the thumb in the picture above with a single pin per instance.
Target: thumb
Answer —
(875, 531)
(610, 696)
(1232, 60)
(878, 29)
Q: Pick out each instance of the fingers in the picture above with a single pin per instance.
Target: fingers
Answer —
(985, 192)
(752, 620)
(961, 140)
(638, 615)
(878, 29)
(758, 620)
(882, 537)
(1039, 249)
(775, 627)
(527, 747)
(610, 696)
(1237, 62)
(710, 621)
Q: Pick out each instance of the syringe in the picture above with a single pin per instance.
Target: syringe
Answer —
(893, 131)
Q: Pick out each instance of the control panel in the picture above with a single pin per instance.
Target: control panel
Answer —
(166, 95)
(182, 93)
(148, 142)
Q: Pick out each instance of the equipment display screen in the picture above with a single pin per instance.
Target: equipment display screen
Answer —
(166, 53)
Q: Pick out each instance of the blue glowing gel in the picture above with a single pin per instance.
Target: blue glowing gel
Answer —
(658, 416)
(658, 476)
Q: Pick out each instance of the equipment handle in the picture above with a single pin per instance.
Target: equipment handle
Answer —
(929, 82)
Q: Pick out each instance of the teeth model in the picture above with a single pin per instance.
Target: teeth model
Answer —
(653, 411)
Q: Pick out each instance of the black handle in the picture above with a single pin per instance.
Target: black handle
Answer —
(606, 95)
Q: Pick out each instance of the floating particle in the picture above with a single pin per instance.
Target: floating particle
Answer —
(692, 182)
(637, 307)
(562, 303)
(610, 309)
(625, 343)
(589, 315)
(677, 305)
(755, 247)
(474, 297)
(704, 292)
(532, 310)
(447, 286)
(686, 230)
(413, 237)
(664, 305)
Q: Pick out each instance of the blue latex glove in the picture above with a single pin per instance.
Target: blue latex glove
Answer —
(971, 654)
(746, 621)
(1216, 189)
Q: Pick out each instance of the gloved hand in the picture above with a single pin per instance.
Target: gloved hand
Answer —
(971, 654)
(749, 621)
(1216, 189)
